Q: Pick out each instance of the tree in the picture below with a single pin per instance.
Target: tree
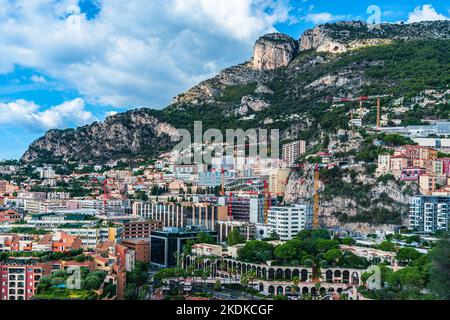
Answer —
(285, 252)
(387, 246)
(440, 270)
(406, 278)
(348, 241)
(256, 252)
(235, 237)
(333, 255)
(204, 237)
(407, 255)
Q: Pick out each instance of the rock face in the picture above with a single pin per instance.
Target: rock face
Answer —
(136, 133)
(344, 36)
(273, 51)
(284, 96)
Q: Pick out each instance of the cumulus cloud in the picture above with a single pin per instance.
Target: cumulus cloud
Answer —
(425, 13)
(323, 17)
(133, 53)
(32, 117)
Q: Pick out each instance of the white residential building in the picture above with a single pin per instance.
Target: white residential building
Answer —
(288, 221)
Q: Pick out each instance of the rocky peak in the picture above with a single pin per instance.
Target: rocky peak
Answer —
(344, 36)
(274, 50)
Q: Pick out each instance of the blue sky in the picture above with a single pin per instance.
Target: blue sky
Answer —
(66, 63)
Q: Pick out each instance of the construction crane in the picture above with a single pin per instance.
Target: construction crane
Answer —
(361, 100)
(316, 223)
(267, 202)
(222, 189)
(105, 194)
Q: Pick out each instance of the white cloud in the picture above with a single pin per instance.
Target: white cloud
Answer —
(323, 17)
(425, 13)
(38, 79)
(31, 116)
(133, 53)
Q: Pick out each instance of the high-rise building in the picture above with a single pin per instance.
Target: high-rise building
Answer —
(288, 221)
(429, 213)
(293, 150)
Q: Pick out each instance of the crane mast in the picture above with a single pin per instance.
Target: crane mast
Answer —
(316, 223)
(365, 98)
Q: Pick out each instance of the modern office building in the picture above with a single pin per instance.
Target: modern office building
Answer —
(429, 213)
(180, 215)
(166, 245)
(288, 221)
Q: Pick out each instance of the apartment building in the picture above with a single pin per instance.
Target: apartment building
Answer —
(140, 229)
(246, 229)
(92, 237)
(287, 222)
(19, 282)
(292, 151)
(141, 248)
(429, 213)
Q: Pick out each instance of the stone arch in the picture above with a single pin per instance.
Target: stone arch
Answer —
(279, 274)
(271, 274)
(261, 287)
(239, 268)
(329, 276)
(337, 274)
(305, 290)
(271, 290)
(313, 291)
(339, 290)
(258, 272)
(264, 273)
(288, 290)
(288, 274)
(331, 289)
(346, 276)
(296, 273)
(280, 290)
(244, 268)
(304, 275)
(322, 291)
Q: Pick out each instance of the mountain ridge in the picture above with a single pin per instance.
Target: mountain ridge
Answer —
(283, 76)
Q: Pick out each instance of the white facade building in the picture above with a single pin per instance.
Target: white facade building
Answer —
(288, 221)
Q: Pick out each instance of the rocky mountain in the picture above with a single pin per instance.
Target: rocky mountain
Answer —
(285, 85)
(136, 133)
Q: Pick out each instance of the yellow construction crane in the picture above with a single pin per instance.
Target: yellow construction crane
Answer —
(364, 98)
(316, 223)
(267, 202)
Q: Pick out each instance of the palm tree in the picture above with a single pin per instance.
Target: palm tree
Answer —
(251, 277)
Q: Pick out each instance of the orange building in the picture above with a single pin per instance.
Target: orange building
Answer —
(140, 247)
